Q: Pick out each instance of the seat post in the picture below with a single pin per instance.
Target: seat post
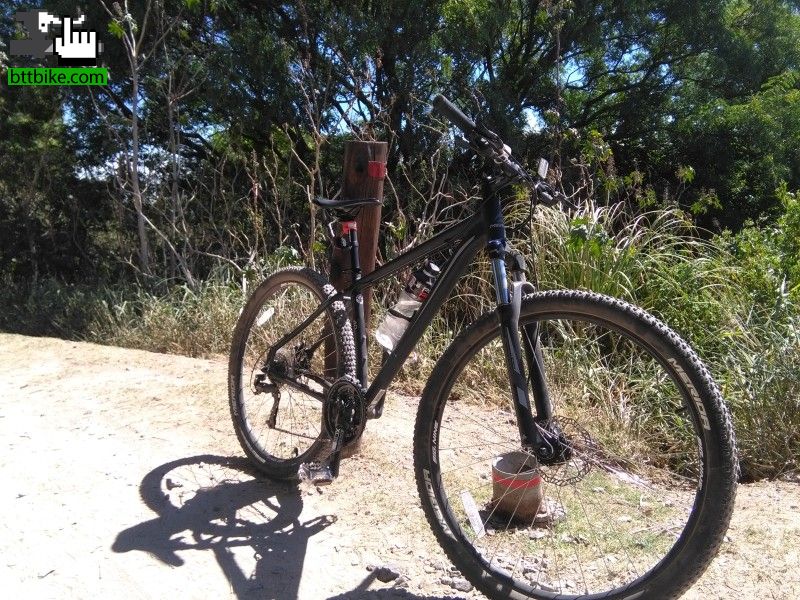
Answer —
(350, 229)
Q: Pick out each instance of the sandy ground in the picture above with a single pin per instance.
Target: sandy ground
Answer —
(122, 478)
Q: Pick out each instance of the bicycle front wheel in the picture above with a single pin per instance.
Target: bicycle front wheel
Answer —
(639, 504)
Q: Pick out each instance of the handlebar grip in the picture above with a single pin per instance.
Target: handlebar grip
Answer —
(453, 114)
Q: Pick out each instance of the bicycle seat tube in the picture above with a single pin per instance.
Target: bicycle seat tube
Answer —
(350, 229)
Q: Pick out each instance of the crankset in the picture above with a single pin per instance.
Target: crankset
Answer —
(343, 419)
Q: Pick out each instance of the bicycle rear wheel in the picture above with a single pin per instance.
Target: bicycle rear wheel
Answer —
(276, 405)
(642, 504)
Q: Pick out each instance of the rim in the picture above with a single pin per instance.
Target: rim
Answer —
(298, 417)
(613, 512)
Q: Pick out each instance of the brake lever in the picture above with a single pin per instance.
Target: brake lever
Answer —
(547, 195)
(484, 131)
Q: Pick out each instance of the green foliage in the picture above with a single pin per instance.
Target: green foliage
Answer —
(754, 149)
(768, 256)
(788, 238)
(731, 297)
(115, 29)
(737, 119)
(43, 228)
(654, 110)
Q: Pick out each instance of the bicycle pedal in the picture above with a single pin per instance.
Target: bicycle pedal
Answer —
(316, 473)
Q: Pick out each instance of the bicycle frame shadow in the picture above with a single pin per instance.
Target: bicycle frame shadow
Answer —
(219, 504)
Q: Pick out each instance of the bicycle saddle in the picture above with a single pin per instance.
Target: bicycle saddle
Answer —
(345, 203)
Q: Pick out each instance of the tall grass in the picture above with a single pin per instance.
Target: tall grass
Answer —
(749, 338)
(747, 332)
(180, 320)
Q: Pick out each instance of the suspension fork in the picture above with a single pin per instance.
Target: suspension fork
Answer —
(508, 308)
(530, 337)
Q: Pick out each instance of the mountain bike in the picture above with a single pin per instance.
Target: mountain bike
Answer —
(618, 430)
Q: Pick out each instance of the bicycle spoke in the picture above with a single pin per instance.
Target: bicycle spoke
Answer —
(611, 510)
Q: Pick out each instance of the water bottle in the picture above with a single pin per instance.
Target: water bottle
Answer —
(414, 293)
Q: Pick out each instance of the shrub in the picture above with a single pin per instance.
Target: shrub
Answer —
(733, 297)
(730, 297)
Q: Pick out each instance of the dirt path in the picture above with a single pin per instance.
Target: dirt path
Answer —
(121, 478)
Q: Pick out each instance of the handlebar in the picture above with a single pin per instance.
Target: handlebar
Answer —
(453, 114)
(488, 144)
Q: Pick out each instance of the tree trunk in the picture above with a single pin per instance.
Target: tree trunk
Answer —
(144, 246)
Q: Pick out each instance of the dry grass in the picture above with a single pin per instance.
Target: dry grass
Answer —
(656, 260)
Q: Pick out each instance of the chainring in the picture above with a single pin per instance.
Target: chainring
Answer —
(344, 409)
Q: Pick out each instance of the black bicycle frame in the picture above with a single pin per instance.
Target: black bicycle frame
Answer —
(483, 229)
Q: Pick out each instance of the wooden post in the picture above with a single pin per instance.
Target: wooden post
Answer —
(359, 180)
(364, 168)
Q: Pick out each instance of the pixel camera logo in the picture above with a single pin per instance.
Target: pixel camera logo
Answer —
(73, 47)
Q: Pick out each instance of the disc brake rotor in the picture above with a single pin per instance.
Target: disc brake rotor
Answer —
(583, 449)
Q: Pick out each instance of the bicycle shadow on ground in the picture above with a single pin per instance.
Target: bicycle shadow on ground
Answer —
(220, 504)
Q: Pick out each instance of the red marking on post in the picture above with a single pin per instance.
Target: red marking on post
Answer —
(516, 484)
(347, 226)
(376, 170)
